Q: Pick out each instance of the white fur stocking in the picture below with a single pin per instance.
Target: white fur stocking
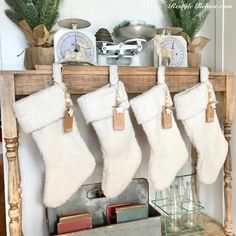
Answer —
(68, 161)
(207, 138)
(168, 150)
(121, 153)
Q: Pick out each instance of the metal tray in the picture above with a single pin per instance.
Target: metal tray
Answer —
(90, 198)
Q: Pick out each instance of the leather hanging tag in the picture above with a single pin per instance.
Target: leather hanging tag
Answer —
(167, 115)
(118, 119)
(210, 111)
(166, 118)
(68, 121)
(68, 115)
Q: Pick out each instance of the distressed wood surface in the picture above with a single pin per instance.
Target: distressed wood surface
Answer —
(11, 141)
(212, 228)
(80, 79)
(228, 120)
(194, 156)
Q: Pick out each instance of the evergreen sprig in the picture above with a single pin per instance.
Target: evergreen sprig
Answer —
(191, 19)
(34, 12)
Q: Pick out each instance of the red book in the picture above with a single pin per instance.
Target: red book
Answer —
(111, 211)
(74, 226)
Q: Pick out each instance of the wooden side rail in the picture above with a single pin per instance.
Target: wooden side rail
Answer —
(83, 79)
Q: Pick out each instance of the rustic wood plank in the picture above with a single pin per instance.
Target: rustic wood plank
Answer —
(212, 228)
(194, 157)
(11, 140)
(80, 80)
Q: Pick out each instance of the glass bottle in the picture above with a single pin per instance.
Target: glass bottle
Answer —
(174, 211)
(190, 205)
(181, 188)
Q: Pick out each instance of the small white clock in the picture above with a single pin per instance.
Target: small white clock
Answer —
(74, 45)
(170, 51)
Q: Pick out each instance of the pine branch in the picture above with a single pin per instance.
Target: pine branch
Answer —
(186, 21)
(50, 24)
(35, 12)
(32, 15)
(13, 16)
(54, 16)
(199, 22)
(191, 20)
(48, 9)
(18, 6)
(38, 4)
(173, 18)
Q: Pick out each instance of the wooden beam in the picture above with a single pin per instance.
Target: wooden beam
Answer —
(81, 79)
(11, 140)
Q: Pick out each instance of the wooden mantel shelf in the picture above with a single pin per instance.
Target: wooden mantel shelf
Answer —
(211, 227)
(83, 79)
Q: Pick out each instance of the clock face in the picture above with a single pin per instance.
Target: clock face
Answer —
(179, 51)
(75, 42)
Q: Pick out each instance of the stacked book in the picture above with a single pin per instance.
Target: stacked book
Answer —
(125, 212)
(116, 213)
(74, 222)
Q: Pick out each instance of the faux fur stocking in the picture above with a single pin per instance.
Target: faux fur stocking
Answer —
(196, 109)
(152, 110)
(67, 159)
(121, 153)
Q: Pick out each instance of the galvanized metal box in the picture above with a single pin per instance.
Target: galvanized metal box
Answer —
(91, 199)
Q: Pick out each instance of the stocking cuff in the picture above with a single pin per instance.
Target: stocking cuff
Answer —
(192, 101)
(99, 105)
(40, 109)
(149, 104)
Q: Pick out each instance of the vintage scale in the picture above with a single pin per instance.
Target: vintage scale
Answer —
(123, 53)
(74, 43)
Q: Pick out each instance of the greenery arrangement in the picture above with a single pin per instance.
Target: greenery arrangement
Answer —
(34, 12)
(187, 14)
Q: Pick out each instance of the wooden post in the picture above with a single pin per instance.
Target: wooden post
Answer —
(228, 120)
(11, 140)
(194, 171)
